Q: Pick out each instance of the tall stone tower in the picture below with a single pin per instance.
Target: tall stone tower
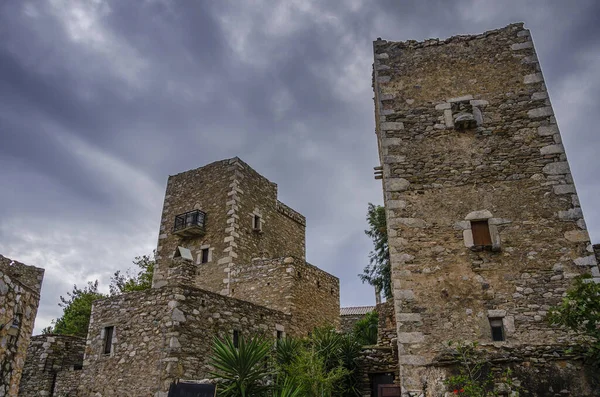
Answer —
(485, 228)
(225, 213)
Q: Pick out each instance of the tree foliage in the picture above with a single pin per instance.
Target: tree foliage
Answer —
(77, 309)
(322, 365)
(142, 280)
(365, 329)
(580, 312)
(378, 272)
(77, 305)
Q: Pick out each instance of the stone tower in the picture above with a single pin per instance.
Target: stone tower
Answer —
(485, 228)
(225, 213)
(243, 243)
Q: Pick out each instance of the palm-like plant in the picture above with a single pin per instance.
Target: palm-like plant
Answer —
(242, 368)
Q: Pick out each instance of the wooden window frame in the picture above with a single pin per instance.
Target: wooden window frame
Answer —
(109, 334)
(482, 237)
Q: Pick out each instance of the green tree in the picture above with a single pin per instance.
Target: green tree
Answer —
(77, 309)
(365, 329)
(378, 273)
(580, 312)
(142, 280)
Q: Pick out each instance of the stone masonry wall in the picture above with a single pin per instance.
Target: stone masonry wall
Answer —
(386, 329)
(466, 132)
(347, 322)
(164, 334)
(47, 357)
(375, 360)
(231, 193)
(206, 189)
(292, 286)
(315, 297)
(20, 287)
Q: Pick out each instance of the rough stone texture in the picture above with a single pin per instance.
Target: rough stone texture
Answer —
(50, 357)
(230, 193)
(20, 287)
(508, 164)
(375, 360)
(164, 334)
(291, 286)
(386, 329)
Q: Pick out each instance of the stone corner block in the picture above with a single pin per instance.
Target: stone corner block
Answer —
(478, 215)
(396, 184)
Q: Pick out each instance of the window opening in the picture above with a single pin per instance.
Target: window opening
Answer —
(279, 335)
(481, 233)
(497, 329)
(256, 222)
(204, 255)
(108, 337)
(236, 338)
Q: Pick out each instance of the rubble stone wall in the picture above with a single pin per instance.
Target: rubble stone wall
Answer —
(466, 132)
(347, 322)
(206, 189)
(307, 293)
(20, 287)
(47, 357)
(386, 329)
(164, 334)
(375, 360)
(315, 297)
(231, 194)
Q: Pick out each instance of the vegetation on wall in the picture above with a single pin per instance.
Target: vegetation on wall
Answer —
(580, 312)
(365, 329)
(378, 272)
(322, 365)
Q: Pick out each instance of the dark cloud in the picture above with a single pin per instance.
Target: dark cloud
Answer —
(101, 100)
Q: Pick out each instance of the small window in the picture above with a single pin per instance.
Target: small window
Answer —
(481, 234)
(236, 338)
(204, 255)
(497, 329)
(318, 284)
(256, 223)
(108, 338)
(299, 275)
(279, 335)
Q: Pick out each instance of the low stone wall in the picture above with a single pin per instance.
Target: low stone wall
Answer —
(164, 334)
(536, 371)
(19, 298)
(376, 360)
(47, 356)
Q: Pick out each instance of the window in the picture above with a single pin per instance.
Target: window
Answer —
(256, 223)
(497, 329)
(204, 255)
(236, 338)
(481, 234)
(108, 338)
(279, 335)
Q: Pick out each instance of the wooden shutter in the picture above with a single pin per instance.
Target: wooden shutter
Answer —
(389, 391)
(481, 233)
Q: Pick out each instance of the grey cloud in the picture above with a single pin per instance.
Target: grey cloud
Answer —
(95, 112)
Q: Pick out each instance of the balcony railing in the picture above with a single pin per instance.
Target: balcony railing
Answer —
(190, 224)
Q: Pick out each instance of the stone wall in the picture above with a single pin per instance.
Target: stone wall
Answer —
(307, 293)
(47, 356)
(466, 133)
(347, 322)
(164, 334)
(20, 287)
(386, 329)
(376, 360)
(315, 297)
(231, 194)
(206, 189)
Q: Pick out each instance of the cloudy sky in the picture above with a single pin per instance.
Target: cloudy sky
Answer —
(101, 100)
